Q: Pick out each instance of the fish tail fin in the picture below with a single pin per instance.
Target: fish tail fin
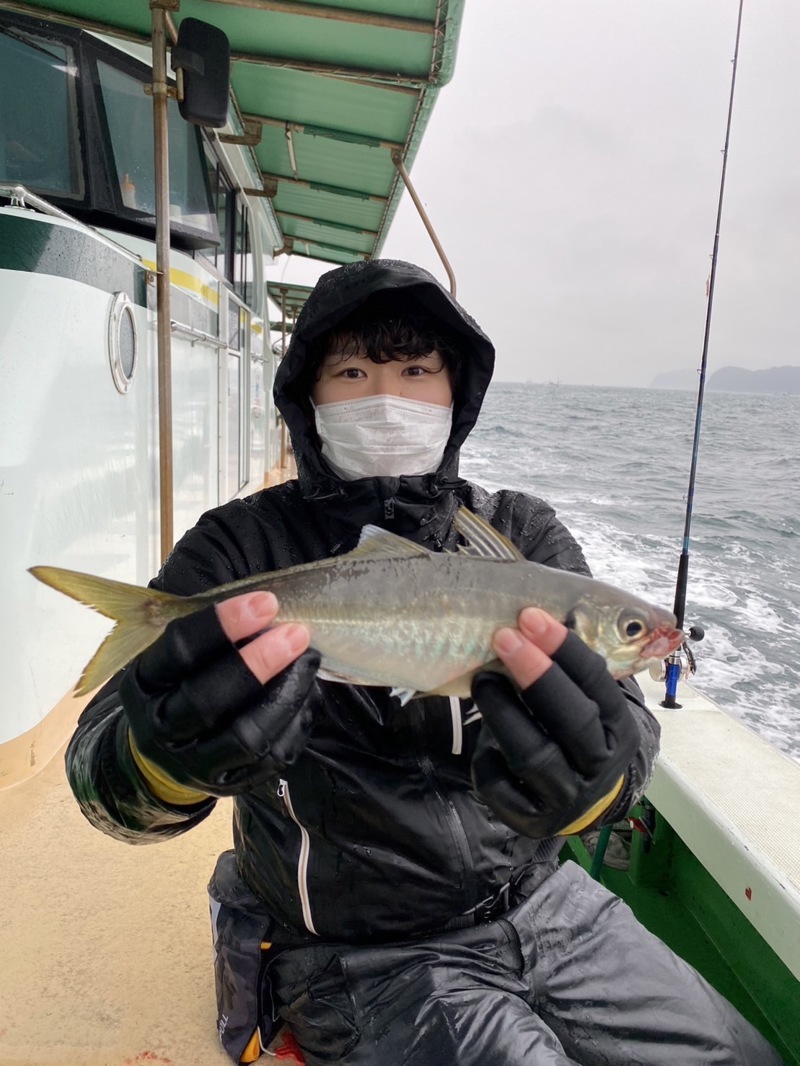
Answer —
(141, 616)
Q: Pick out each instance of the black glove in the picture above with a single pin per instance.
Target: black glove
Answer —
(546, 756)
(195, 709)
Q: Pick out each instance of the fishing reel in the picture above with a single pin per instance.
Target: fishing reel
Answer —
(682, 663)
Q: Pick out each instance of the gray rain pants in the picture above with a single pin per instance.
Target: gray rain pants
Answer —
(567, 977)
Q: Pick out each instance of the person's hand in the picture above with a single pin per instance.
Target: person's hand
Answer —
(216, 717)
(554, 749)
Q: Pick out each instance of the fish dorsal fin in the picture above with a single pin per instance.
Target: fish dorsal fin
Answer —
(377, 543)
(483, 540)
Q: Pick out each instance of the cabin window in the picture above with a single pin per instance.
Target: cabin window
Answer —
(235, 332)
(236, 335)
(122, 341)
(221, 196)
(39, 142)
(234, 472)
(129, 113)
(242, 266)
(233, 256)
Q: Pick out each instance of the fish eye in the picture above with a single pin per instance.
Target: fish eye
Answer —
(631, 626)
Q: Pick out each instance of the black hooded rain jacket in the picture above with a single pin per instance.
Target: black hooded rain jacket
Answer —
(374, 833)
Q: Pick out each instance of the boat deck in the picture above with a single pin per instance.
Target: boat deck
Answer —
(106, 947)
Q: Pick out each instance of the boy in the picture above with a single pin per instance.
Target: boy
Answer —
(400, 861)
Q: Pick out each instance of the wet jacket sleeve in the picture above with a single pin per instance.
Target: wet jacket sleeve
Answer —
(109, 788)
(532, 525)
(640, 769)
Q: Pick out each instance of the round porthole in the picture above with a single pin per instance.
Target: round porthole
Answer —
(122, 341)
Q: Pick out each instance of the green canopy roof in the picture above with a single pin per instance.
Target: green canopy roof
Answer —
(325, 92)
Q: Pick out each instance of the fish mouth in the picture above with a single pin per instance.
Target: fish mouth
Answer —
(664, 640)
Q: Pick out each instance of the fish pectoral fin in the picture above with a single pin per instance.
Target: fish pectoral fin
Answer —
(346, 674)
(326, 674)
(483, 540)
(460, 686)
(377, 543)
(404, 694)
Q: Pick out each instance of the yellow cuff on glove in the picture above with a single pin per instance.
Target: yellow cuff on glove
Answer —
(161, 784)
(594, 811)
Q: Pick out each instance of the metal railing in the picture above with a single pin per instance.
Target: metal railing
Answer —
(197, 335)
(22, 197)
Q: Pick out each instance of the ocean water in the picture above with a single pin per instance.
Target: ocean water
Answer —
(615, 465)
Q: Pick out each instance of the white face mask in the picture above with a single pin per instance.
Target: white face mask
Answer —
(383, 436)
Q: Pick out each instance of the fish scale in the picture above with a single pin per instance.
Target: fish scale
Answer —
(432, 637)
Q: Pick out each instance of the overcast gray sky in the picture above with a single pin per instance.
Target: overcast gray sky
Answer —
(571, 169)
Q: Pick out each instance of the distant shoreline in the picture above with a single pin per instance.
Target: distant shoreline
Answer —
(676, 381)
(776, 379)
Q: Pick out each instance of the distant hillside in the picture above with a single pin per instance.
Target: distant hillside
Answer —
(783, 379)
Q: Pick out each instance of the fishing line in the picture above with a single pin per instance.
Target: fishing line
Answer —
(674, 662)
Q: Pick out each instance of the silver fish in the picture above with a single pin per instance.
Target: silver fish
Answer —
(392, 613)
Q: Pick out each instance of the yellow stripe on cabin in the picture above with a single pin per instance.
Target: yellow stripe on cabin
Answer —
(185, 280)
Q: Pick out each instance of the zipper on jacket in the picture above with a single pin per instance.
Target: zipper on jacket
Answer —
(302, 862)
(457, 830)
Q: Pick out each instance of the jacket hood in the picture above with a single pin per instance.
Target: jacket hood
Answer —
(339, 293)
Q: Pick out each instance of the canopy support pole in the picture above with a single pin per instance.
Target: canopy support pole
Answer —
(397, 159)
(158, 10)
(284, 434)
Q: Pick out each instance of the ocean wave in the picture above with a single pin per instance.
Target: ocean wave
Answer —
(761, 615)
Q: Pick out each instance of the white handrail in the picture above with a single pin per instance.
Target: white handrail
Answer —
(22, 197)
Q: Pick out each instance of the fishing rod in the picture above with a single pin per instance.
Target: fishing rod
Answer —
(675, 662)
